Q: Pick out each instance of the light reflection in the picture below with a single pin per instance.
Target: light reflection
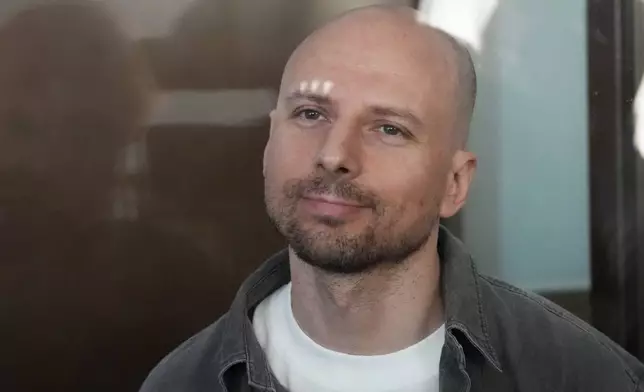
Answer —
(638, 108)
(464, 19)
(638, 105)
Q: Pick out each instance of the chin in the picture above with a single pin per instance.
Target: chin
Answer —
(334, 261)
(336, 251)
(342, 228)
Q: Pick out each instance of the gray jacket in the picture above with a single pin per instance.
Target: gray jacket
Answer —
(498, 338)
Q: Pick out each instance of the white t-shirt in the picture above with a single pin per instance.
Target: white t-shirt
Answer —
(301, 365)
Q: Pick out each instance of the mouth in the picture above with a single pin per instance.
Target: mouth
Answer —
(329, 206)
(330, 199)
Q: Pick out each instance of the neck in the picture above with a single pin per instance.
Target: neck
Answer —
(374, 313)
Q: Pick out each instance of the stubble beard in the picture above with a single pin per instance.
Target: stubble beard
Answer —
(326, 245)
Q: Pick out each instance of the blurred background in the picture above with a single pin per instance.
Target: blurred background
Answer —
(131, 195)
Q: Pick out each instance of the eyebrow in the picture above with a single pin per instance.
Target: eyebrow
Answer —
(321, 100)
(395, 112)
(378, 110)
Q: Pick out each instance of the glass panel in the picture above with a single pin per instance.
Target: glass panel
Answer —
(131, 196)
(526, 220)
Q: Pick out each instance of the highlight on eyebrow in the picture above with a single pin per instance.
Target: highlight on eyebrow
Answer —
(304, 85)
(316, 86)
(326, 87)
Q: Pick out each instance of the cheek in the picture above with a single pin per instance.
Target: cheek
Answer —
(288, 157)
(280, 168)
(407, 188)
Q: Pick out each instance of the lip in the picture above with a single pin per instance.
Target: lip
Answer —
(331, 207)
(328, 199)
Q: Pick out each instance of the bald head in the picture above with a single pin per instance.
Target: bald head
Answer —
(365, 152)
(396, 37)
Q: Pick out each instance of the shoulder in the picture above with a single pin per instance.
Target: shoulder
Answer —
(537, 338)
(189, 366)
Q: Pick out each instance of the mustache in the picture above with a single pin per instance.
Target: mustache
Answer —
(320, 185)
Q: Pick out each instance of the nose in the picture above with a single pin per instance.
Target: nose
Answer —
(340, 153)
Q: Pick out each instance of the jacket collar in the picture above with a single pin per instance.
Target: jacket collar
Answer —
(461, 295)
(461, 290)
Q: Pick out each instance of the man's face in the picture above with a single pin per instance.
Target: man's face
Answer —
(357, 160)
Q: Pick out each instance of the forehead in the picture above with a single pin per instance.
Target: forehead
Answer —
(370, 78)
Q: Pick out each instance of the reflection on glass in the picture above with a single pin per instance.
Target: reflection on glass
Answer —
(464, 19)
(131, 194)
(638, 108)
(526, 220)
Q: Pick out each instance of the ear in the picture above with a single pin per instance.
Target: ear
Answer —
(271, 115)
(459, 180)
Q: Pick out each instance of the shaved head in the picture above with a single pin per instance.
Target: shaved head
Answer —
(466, 86)
(407, 22)
(367, 144)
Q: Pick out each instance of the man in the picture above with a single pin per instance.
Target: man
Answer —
(366, 153)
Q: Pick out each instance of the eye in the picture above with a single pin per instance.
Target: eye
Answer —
(309, 115)
(390, 130)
